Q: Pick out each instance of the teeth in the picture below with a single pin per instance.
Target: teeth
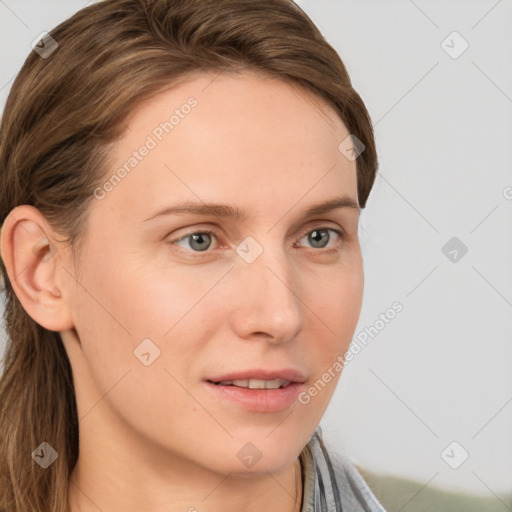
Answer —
(256, 383)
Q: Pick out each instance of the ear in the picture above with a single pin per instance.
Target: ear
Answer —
(31, 257)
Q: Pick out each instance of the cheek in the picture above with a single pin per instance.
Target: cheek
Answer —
(120, 317)
(345, 307)
(133, 301)
(339, 305)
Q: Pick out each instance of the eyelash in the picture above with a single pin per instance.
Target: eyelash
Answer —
(339, 232)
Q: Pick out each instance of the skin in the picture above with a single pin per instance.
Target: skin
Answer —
(153, 437)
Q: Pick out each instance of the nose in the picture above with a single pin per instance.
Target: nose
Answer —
(268, 302)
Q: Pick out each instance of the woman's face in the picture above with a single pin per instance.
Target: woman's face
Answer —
(166, 305)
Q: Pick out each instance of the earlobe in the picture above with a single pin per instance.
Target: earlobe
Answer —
(30, 254)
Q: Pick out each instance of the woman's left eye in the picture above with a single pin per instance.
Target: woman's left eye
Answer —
(319, 235)
(200, 241)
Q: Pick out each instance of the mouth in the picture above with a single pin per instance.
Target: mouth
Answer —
(264, 392)
(254, 383)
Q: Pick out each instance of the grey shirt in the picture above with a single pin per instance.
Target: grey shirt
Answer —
(331, 483)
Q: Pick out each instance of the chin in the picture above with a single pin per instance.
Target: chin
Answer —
(274, 464)
(266, 450)
(248, 457)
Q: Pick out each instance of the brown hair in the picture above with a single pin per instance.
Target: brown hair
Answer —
(61, 116)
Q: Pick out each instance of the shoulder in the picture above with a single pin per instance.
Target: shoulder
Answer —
(332, 482)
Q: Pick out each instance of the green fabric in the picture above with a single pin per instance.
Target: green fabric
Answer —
(402, 495)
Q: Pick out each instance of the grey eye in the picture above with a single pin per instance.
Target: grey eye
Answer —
(316, 237)
(199, 242)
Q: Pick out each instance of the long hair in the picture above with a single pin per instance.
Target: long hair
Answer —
(64, 111)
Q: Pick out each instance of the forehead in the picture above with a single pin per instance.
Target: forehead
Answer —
(241, 138)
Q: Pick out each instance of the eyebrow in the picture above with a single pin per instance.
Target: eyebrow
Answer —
(226, 211)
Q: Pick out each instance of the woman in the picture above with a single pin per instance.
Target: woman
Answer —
(143, 371)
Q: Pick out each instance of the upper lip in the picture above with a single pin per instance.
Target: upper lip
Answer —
(286, 374)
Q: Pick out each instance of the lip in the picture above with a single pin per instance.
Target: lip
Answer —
(294, 376)
(259, 400)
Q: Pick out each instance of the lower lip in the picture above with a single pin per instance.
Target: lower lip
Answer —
(259, 400)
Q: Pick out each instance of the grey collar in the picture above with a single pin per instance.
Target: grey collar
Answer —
(331, 483)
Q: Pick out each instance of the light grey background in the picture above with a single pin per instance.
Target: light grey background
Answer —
(440, 370)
